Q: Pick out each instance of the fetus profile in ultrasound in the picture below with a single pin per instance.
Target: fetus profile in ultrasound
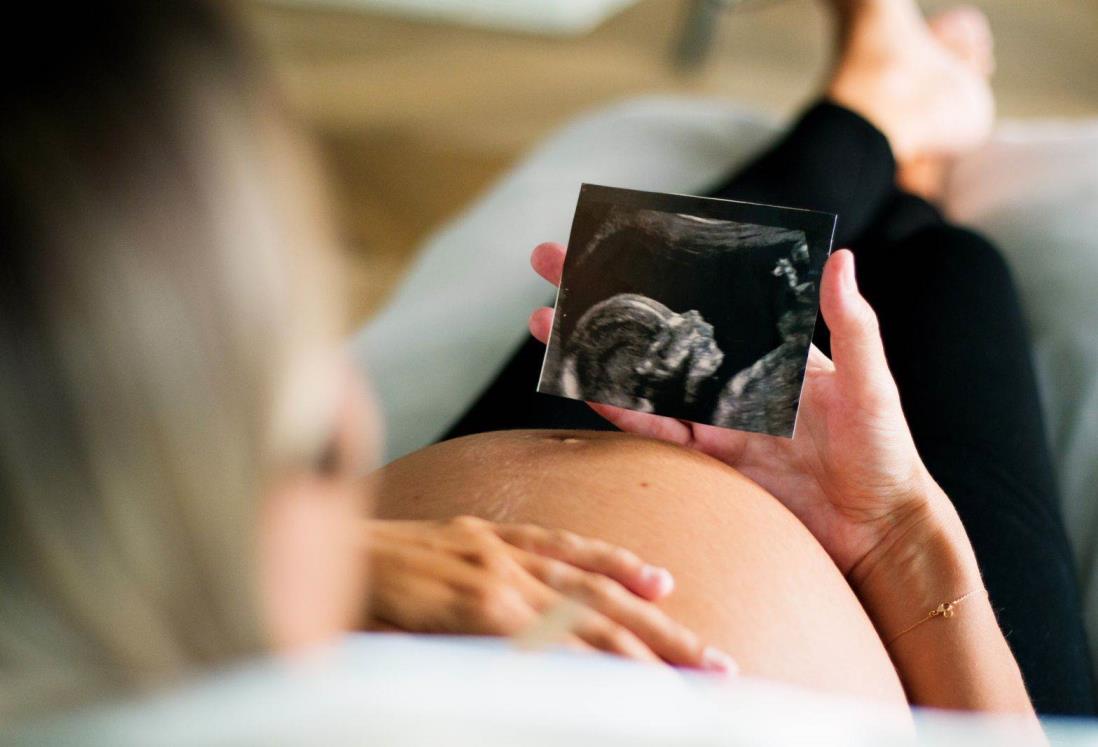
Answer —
(695, 308)
(630, 346)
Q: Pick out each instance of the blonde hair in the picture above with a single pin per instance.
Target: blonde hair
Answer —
(163, 288)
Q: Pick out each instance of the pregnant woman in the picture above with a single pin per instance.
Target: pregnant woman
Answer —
(839, 559)
(182, 447)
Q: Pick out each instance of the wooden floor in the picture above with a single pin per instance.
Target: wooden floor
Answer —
(415, 119)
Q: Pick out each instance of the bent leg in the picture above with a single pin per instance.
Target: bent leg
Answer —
(750, 578)
(832, 160)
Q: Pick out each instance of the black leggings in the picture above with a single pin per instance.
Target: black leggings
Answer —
(956, 342)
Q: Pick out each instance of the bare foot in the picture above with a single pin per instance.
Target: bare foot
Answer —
(966, 33)
(926, 88)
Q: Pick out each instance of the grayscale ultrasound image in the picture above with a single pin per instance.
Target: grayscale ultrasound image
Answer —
(695, 308)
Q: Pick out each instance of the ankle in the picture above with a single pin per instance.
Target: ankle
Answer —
(924, 177)
(871, 101)
(887, 18)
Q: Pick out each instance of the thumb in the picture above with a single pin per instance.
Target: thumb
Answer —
(856, 347)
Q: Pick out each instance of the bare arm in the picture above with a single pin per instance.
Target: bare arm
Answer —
(957, 660)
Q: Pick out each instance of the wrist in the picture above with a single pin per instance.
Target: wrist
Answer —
(925, 559)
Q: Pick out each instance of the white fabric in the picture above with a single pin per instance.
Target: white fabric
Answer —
(462, 310)
(405, 690)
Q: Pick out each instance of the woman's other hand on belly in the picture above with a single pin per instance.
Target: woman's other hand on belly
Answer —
(471, 576)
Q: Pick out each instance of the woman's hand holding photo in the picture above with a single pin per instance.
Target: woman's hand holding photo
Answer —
(851, 473)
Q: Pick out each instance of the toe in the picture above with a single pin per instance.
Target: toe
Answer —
(966, 32)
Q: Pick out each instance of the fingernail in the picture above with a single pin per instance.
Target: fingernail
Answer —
(715, 660)
(659, 579)
(849, 277)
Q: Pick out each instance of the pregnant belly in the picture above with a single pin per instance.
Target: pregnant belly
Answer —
(750, 577)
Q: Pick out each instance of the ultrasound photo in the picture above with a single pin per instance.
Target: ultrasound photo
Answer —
(696, 308)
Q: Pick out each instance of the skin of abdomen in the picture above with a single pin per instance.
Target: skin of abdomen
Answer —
(749, 577)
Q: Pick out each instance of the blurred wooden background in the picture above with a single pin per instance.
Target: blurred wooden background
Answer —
(415, 119)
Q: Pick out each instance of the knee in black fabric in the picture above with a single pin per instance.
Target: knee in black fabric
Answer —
(945, 277)
(900, 216)
(949, 253)
(965, 252)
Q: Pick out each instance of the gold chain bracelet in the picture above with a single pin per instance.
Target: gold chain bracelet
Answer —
(944, 610)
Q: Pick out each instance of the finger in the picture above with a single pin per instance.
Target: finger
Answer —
(564, 618)
(646, 424)
(541, 324)
(603, 634)
(595, 556)
(817, 361)
(548, 261)
(856, 347)
(574, 642)
(728, 446)
(672, 642)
